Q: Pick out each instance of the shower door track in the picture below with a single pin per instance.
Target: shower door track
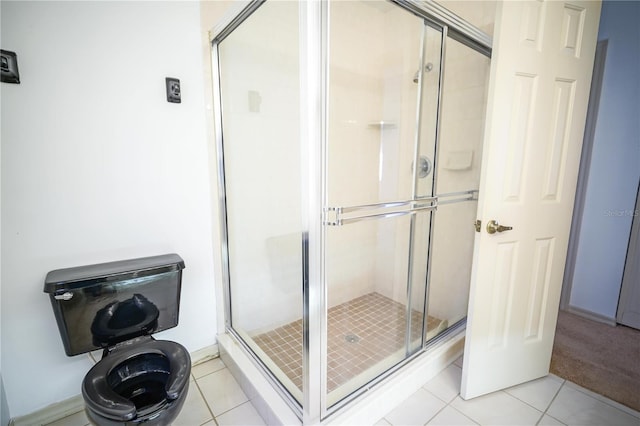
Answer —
(458, 29)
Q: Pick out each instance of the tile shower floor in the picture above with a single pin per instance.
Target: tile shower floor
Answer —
(361, 333)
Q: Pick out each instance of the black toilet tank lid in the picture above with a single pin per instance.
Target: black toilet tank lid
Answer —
(83, 276)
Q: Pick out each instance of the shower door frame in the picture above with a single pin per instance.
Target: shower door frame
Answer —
(314, 29)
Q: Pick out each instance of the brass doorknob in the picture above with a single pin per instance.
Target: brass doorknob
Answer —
(493, 227)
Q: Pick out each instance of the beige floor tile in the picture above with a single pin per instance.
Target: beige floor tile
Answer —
(243, 415)
(446, 385)
(537, 393)
(418, 409)
(207, 367)
(547, 420)
(574, 407)
(449, 416)
(497, 408)
(221, 391)
(382, 422)
(195, 410)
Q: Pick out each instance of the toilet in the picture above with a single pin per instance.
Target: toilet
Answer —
(116, 307)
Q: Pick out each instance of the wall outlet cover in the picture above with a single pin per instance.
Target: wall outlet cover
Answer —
(173, 90)
(9, 66)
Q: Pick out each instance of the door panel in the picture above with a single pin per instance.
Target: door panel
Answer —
(457, 174)
(383, 105)
(538, 92)
(372, 322)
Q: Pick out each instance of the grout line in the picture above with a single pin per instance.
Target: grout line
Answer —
(458, 411)
(207, 374)
(205, 403)
(433, 394)
(523, 401)
(555, 396)
(235, 406)
(551, 403)
(433, 417)
(536, 408)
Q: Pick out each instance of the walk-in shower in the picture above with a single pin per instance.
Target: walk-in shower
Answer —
(342, 259)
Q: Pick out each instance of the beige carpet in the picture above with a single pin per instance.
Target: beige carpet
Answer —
(599, 357)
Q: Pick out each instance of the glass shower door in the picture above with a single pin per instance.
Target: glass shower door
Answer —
(260, 101)
(457, 171)
(384, 65)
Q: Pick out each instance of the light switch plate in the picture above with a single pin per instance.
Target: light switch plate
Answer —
(9, 66)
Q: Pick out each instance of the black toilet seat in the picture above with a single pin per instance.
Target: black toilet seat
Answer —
(103, 400)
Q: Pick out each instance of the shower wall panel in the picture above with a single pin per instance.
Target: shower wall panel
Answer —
(259, 76)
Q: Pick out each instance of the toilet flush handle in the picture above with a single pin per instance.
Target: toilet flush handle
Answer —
(64, 296)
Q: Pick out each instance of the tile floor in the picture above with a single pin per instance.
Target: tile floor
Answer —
(362, 333)
(216, 399)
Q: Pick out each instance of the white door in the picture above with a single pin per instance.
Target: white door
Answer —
(538, 92)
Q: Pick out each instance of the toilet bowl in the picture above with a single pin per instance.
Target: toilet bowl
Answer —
(117, 307)
(143, 381)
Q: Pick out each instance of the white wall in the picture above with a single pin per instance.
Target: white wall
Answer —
(97, 166)
(615, 167)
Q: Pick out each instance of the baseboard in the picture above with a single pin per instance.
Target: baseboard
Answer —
(591, 315)
(204, 354)
(75, 404)
(51, 413)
